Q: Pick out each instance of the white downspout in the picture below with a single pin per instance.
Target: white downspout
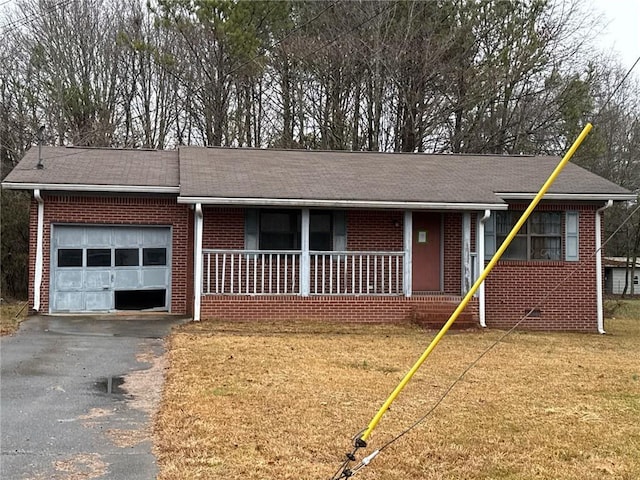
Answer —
(480, 259)
(37, 282)
(197, 273)
(599, 265)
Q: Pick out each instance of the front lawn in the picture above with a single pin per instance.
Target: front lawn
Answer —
(272, 401)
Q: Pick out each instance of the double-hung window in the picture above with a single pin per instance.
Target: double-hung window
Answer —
(271, 229)
(540, 238)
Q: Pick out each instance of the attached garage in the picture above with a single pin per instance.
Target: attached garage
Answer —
(101, 268)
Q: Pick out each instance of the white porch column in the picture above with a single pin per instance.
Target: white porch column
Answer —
(197, 269)
(480, 267)
(408, 254)
(305, 259)
(466, 253)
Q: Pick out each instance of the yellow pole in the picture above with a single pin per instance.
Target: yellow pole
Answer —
(376, 419)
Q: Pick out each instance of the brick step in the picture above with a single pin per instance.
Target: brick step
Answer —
(434, 316)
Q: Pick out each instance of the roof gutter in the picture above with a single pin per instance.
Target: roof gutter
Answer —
(620, 197)
(37, 282)
(599, 265)
(71, 187)
(303, 202)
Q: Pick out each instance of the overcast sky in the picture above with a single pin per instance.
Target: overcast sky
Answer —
(622, 29)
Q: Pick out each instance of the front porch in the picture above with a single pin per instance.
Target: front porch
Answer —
(360, 286)
(390, 266)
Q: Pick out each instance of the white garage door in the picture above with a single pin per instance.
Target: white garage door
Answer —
(107, 268)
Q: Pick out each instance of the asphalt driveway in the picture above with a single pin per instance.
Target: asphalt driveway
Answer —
(76, 397)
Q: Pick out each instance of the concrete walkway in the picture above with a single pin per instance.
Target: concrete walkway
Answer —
(77, 394)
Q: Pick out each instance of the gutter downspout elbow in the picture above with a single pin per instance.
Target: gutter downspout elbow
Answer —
(197, 284)
(599, 293)
(37, 282)
(480, 259)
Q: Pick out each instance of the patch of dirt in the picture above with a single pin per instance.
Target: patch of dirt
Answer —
(127, 438)
(145, 386)
(83, 466)
(95, 413)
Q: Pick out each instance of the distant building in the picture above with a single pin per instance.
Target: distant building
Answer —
(615, 270)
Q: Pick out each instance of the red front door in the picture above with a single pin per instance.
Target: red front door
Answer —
(426, 252)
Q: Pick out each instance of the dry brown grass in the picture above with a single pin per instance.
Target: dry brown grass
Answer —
(8, 310)
(266, 401)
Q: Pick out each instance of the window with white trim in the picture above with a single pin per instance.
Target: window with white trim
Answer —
(540, 238)
(274, 229)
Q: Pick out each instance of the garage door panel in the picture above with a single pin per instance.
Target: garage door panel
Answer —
(69, 236)
(126, 237)
(98, 301)
(98, 237)
(68, 301)
(66, 280)
(154, 277)
(126, 279)
(97, 279)
(155, 237)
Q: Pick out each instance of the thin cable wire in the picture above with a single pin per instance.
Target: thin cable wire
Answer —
(498, 341)
(21, 22)
(615, 90)
(539, 304)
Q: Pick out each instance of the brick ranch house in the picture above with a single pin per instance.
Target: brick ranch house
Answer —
(241, 234)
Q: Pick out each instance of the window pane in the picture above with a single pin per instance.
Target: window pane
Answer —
(320, 241)
(505, 221)
(277, 241)
(276, 222)
(320, 232)
(127, 257)
(546, 248)
(98, 257)
(517, 249)
(545, 223)
(154, 256)
(279, 230)
(70, 257)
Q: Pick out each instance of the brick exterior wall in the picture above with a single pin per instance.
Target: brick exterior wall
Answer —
(514, 287)
(375, 230)
(223, 228)
(452, 246)
(338, 308)
(60, 209)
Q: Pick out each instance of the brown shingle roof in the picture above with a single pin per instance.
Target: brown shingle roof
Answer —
(98, 166)
(256, 175)
(368, 176)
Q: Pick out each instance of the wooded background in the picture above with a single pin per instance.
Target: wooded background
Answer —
(460, 76)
